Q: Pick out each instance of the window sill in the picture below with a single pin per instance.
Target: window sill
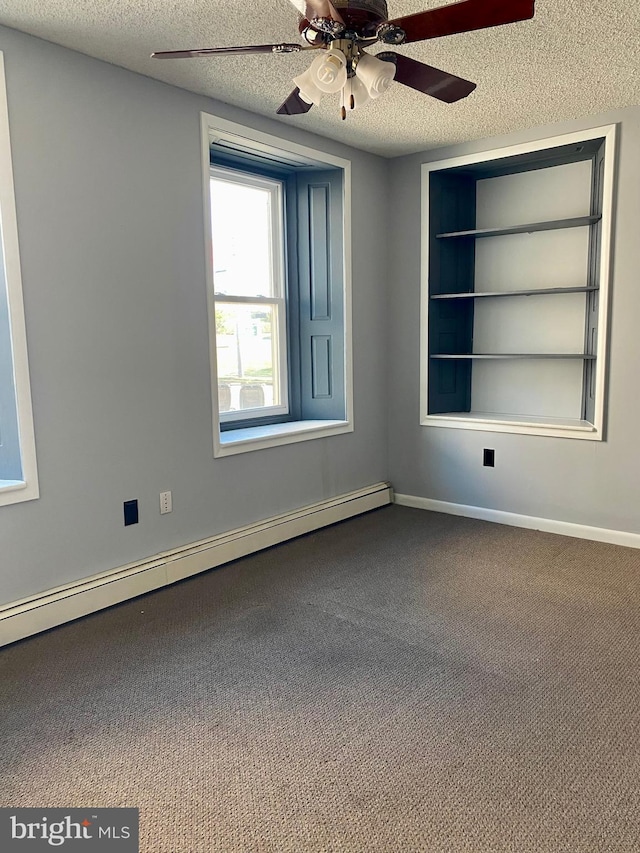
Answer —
(522, 424)
(11, 485)
(245, 440)
(16, 491)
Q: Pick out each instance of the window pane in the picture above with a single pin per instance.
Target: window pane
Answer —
(10, 458)
(247, 355)
(241, 221)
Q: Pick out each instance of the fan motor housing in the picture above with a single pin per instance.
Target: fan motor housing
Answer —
(371, 10)
(359, 16)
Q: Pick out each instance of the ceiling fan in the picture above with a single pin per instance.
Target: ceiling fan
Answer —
(341, 30)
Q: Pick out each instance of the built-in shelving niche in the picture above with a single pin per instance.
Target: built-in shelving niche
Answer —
(517, 273)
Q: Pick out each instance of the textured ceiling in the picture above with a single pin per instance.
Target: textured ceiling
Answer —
(575, 58)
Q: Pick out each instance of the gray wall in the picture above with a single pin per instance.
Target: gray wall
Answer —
(592, 483)
(108, 194)
(109, 205)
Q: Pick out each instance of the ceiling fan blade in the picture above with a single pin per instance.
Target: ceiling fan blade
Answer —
(424, 78)
(240, 49)
(463, 17)
(294, 105)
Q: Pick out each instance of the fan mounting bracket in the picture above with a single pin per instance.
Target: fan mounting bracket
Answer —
(391, 34)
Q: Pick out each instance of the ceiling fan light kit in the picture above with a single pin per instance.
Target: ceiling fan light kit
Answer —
(354, 94)
(307, 89)
(366, 78)
(341, 29)
(374, 74)
(329, 71)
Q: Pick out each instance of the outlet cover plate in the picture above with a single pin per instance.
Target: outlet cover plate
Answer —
(130, 512)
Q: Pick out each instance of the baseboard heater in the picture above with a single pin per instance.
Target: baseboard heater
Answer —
(54, 607)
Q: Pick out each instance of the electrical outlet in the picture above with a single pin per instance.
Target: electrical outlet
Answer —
(166, 503)
(130, 513)
(489, 458)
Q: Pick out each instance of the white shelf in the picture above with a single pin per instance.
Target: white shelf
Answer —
(542, 291)
(504, 417)
(528, 355)
(530, 228)
(509, 422)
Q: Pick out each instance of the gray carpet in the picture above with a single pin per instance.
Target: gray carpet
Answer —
(404, 681)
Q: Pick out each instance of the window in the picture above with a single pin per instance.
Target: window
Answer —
(515, 296)
(278, 234)
(247, 227)
(18, 476)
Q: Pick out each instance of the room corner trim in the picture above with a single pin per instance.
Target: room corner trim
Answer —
(54, 607)
(547, 525)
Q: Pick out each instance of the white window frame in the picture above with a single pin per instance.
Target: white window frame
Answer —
(277, 300)
(243, 440)
(26, 489)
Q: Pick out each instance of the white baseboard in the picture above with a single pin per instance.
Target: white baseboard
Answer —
(53, 607)
(548, 525)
